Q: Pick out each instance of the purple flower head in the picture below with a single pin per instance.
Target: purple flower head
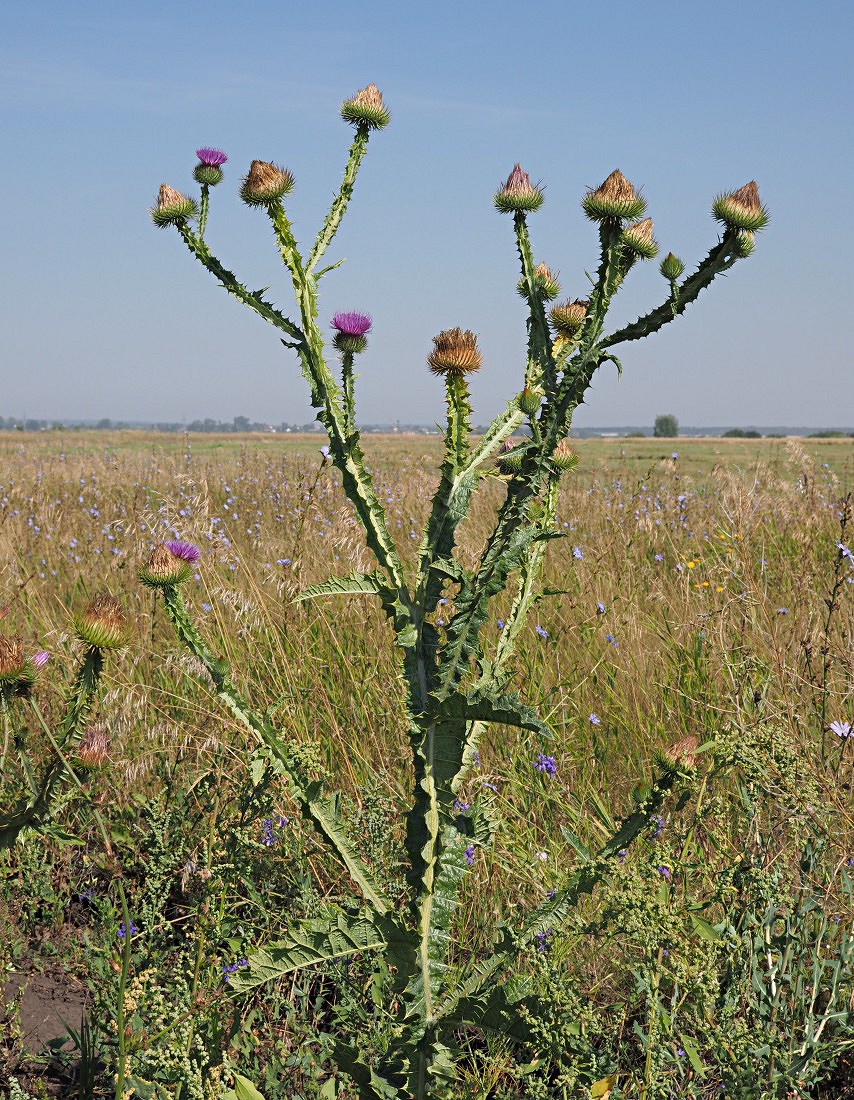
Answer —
(546, 764)
(576, 553)
(121, 932)
(841, 729)
(213, 158)
(39, 660)
(183, 550)
(610, 638)
(594, 719)
(600, 608)
(541, 632)
(469, 854)
(352, 324)
(324, 450)
(665, 872)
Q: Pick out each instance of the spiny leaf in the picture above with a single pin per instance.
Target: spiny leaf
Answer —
(357, 583)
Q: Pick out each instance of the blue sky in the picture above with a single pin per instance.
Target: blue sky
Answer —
(103, 315)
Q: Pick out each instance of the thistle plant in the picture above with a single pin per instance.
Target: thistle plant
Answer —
(32, 795)
(456, 682)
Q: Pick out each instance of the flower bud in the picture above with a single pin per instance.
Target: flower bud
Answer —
(529, 401)
(745, 242)
(564, 457)
(616, 198)
(455, 351)
(93, 746)
(172, 207)
(209, 168)
(568, 318)
(671, 267)
(639, 240)
(545, 283)
(367, 109)
(103, 624)
(265, 183)
(169, 564)
(510, 458)
(351, 331)
(742, 209)
(518, 194)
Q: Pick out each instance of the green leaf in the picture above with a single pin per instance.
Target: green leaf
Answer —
(358, 584)
(602, 1089)
(705, 931)
(316, 941)
(244, 1089)
(690, 1048)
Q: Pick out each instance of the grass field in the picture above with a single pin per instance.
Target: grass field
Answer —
(702, 595)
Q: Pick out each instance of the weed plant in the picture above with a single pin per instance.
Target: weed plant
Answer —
(634, 883)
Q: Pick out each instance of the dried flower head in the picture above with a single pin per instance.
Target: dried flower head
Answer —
(93, 746)
(545, 283)
(455, 351)
(518, 193)
(366, 109)
(265, 183)
(638, 239)
(172, 207)
(671, 267)
(351, 329)
(568, 318)
(615, 198)
(564, 457)
(742, 209)
(103, 624)
(169, 564)
(12, 659)
(683, 753)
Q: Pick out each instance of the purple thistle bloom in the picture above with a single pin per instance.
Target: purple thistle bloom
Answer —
(213, 158)
(546, 764)
(841, 729)
(351, 323)
(183, 550)
(40, 659)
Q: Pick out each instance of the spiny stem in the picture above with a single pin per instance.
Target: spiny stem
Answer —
(203, 210)
(341, 200)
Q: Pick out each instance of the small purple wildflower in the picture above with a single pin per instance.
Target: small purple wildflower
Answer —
(541, 632)
(658, 823)
(475, 759)
(659, 557)
(206, 607)
(488, 786)
(121, 931)
(846, 553)
(551, 894)
(675, 455)
(213, 158)
(576, 553)
(544, 941)
(461, 807)
(546, 764)
(87, 895)
(841, 729)
(610, 638)
(621, 855)
(500, 624)
(665, 872)
(469, 854)
(351, 323)
(283, 561)
(782, 611)
(324, 450)
(231, 968)
(594, 719)
(680, 1053)
(39, 660)
(600, 608)
(186, 551)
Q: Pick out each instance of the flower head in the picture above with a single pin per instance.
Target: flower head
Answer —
(638, 239)
(841, 729)
(172, 208)
(568, 318)
(742, 209)
(594, 719)
(39, 660)
(213, 158)
(351, 330)
(169, 564)
(12, 659)
(545, 282)
(671, 267)
(265, 183)
(102, 624)
(614, 199)
(93, 746)
(546, 764)
(366, 109)
(518, 194)
(455, 351)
